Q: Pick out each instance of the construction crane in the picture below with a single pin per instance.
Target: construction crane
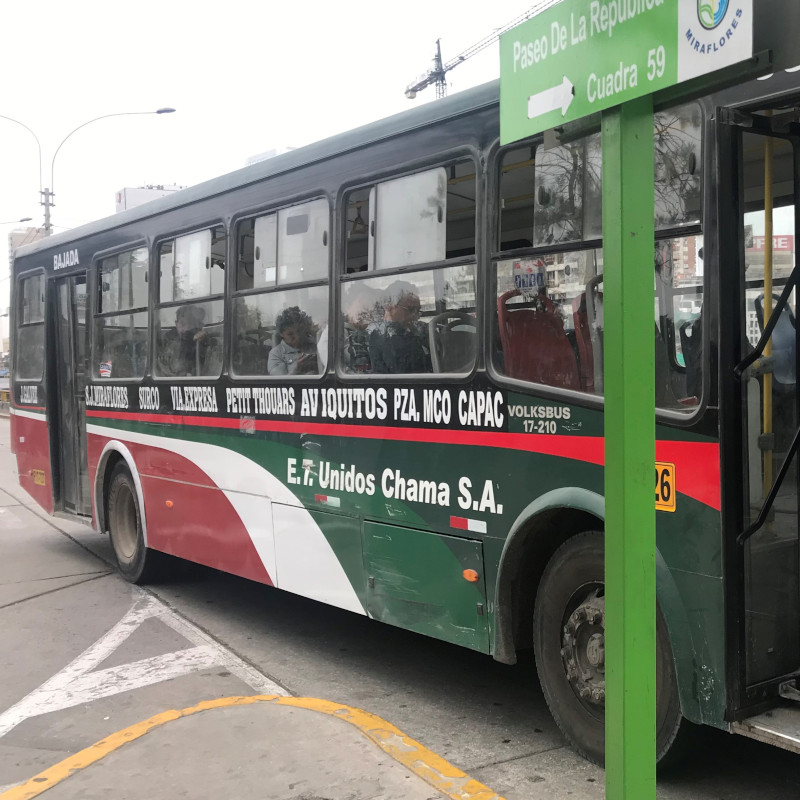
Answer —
(436, 74)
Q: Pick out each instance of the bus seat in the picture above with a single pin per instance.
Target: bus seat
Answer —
(250, 356)
(535, 346)
(210, 356)
(118, 350)
(783, 342)
(453, 339)
(583, 341)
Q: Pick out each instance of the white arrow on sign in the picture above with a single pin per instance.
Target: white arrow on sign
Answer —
(551, 99)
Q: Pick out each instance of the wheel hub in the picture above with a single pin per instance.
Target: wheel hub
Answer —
(583, 650)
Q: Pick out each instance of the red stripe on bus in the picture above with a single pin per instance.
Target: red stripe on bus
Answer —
(697, 472)
(459, 522)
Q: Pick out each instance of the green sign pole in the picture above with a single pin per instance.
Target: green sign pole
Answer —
(630, 583)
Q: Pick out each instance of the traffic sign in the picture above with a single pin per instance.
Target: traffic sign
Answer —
(582, 56)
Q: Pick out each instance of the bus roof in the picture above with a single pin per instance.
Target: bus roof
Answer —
(453, 106)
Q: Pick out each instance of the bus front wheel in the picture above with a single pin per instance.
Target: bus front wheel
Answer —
(569, 644)
(136, 562)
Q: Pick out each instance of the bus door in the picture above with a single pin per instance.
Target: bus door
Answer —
(67, 385)
(758, 184)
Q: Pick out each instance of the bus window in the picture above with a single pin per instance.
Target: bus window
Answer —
(550, 320)
(303, 242)
(415, 219)
(290, 246)
(677, 152)
(189, 334)
(120, 339)
(193, 266)
(418, 322)
(189, 340)
(29, 359)
(567, 205)
(678, 316)
(281, 333)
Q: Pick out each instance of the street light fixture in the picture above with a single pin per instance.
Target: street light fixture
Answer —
(47, 193)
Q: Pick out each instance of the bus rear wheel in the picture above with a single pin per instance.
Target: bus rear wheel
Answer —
(136, 562)
(569, 643)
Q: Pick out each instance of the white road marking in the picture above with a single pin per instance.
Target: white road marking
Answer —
(80, 683)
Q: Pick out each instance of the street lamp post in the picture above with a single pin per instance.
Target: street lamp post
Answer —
(47, 193)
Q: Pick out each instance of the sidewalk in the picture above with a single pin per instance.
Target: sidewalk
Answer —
(280, 748)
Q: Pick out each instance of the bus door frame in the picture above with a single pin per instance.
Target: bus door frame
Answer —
(730, 126)
(66, 394)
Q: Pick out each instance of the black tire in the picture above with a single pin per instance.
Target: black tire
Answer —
(569, 615)
(136, 563)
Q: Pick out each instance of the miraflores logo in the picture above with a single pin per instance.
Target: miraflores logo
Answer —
(709, 16)
(722, 37)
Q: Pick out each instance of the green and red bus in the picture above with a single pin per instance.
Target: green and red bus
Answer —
(370, 372)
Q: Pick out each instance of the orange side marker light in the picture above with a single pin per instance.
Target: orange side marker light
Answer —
(470, 575)
(169, 503)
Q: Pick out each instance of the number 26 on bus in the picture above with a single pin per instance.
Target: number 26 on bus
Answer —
(665, 486)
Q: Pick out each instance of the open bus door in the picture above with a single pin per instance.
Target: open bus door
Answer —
(66, 395)
(758, 185)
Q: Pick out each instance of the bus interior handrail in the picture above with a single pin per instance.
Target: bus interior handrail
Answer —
(751, 358)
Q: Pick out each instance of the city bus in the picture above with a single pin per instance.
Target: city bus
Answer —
(369, 371)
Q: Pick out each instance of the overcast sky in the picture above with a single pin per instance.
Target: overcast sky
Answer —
(244, 75)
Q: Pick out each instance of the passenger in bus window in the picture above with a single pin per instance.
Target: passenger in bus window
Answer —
(399, 344)
(296, 353)
(183, 347)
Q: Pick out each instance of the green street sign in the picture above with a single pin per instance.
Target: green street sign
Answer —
(582, 56)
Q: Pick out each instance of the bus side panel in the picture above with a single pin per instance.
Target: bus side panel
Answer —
(31, 438)
(189, 516)
(427, 582)
(199, 523)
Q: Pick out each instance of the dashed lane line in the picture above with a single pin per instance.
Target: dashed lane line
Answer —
(424, 763)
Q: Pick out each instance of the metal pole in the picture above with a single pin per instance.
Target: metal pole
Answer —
(47, 202)
(627, 139)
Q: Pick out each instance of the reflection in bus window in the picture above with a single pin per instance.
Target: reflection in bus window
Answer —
(552, 196)
(419, 323)
(567, 206)
(677, 154)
